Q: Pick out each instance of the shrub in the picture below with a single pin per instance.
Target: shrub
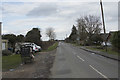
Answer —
(116, 39)
(96, 39)
(6, 52)
(46, 44)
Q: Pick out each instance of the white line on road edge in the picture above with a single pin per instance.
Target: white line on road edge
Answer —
(80, 58)
(99, 72)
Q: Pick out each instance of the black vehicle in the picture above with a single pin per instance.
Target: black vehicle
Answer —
(26, 54)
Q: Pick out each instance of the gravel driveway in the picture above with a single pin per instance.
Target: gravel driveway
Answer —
(40, 68)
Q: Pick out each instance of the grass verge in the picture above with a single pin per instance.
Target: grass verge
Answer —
(54, 46)
(10, 62)
(109, 50)
(75, 44)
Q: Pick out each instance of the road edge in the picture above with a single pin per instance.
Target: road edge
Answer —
(114, 57)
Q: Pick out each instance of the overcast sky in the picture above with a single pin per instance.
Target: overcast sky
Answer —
(20, 17)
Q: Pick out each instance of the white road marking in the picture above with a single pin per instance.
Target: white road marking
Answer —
(99, 72)
(80, 58)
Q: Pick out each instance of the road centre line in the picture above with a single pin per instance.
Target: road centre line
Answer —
(80, 58)
(99, 72)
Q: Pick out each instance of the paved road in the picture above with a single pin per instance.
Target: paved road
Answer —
(73, 62)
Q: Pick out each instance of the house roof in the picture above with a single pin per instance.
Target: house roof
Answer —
(104, 36)
(107, 36)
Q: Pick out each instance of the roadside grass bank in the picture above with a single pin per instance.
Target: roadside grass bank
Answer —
(109, 50)
(75, 44)
(10, 62)
(97, 48)
(50, 48)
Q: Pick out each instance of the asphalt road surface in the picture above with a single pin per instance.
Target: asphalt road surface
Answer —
(73, 62)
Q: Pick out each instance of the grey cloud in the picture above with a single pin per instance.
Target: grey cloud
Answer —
(64, 15)
(111, 12)
(119, 15)
(44, 9)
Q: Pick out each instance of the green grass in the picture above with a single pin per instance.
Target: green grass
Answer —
(75, 44)
(54, 46)
(109, 50)
(10, 62)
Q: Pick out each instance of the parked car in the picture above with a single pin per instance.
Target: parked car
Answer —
(36, 48)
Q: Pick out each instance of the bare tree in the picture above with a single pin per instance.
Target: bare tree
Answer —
(88, 25)
(50, 33)
(82, 32)
(92, 24)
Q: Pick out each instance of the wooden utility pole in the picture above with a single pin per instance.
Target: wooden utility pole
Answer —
(103, 24)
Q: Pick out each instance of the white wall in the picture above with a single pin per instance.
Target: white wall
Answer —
(0, 53)
(3, 46)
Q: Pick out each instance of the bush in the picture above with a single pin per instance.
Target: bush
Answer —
(46, 44)
(6, 52)
(99, 47)
(88, 42)
(116, 39)
(96, 39)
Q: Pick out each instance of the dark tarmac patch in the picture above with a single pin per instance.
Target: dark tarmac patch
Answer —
(62, 72)
(61, 59)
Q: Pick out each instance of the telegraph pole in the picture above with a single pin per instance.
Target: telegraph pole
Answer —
(103, 24)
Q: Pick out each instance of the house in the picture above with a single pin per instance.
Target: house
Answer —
(0, 39)
(104, 37)
(107, 37)
(4, 44)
